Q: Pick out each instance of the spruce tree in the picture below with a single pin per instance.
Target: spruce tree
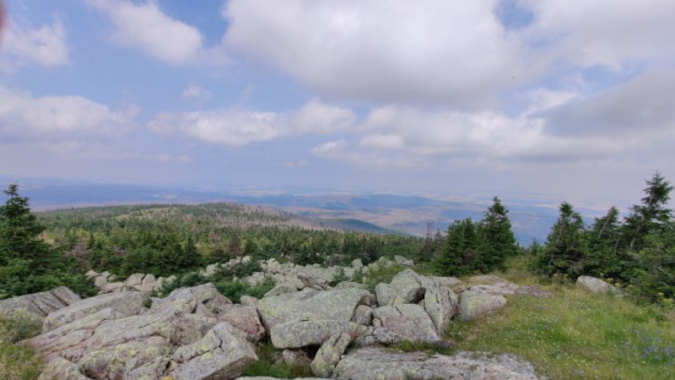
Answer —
(566, 246)
(651, 216)
(498, 241)
(459, 249)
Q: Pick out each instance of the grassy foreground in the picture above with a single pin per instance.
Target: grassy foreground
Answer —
(18, 362)
(577, 335)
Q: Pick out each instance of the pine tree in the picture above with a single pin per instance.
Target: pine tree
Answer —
(19, 232)
(459, 249)
(604, 260)
(651, 216)
(498, 241)
(566, 246)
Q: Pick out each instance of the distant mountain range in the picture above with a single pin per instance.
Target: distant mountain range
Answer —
(378, 213)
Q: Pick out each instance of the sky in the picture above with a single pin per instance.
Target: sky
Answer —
(570, 99)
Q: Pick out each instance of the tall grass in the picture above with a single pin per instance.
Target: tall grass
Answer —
(18, 361)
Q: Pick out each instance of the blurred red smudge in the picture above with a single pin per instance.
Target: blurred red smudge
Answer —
(3, 19)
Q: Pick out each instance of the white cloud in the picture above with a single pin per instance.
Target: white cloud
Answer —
(45, 46)
(330, 148)
(196, 92)
(453, 51)
(49, 117)
(146, 27)
(613, 33)
(297, 164)
(378, 141)
(238, 126)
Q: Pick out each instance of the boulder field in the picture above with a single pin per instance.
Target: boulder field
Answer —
(341, 332)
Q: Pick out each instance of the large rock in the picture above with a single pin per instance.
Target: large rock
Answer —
(310, 304)
(61, 369)
(409, 287)
(178, 328)
(329, 355)
(39, 305)
(363, 315)
(473, 305)
(124, 304)
(117, 361)
(245, 319)
(408, 321)
(400, 260)
(379, 363)
(596, 285)
(70, 340)
(440, 305)
(311, 333)
(222, 354)
(202, 299)
(385, 294)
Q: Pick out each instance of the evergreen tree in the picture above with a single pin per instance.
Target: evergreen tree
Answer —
(459, 249)
(604, 259)
(19, 232)
(566, 246)
(498, 241)
(652, 216)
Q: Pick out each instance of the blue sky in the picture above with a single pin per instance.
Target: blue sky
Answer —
(570, 99)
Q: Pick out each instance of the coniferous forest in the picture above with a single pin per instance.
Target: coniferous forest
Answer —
(45, 250)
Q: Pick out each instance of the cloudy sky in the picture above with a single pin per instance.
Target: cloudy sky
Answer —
(573, 99)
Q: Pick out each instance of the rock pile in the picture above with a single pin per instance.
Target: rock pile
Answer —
(198, 334)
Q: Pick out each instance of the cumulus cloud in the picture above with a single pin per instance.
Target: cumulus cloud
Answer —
(25, 116)
(145, 26)
(238, 126)
(617, 34)
(45, 45)
(452, 51)
(196, 92)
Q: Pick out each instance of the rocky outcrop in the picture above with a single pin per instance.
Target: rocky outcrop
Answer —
(193, 334)
(473, 305)
(596, 285)
(38, 305)
(310, 304)
(378, 363)
(123, 304)
(198, 334)
(409, 322)
(329, 354)
(299, 334)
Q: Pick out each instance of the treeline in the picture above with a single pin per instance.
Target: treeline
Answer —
(167, 240)
(637, 251)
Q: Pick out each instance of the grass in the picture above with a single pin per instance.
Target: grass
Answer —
(18, 362)
(576, 335)
(270, 364)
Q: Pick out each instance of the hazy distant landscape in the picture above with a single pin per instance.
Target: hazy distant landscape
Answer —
(368, 212)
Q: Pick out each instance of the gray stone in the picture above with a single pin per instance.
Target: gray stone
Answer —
(39, 305)
(329, 355)
(204, 299)
(124, 303)
(154, 370)
(409, 321)
(99, 281)
(440, 307)
(60, 369)
(357, 264)
(400, 260)
(221, 354)
(245, 319)
(281, 289)
(134, 280)
(408, 286)
(596, 285)
(473, 305)
(378, 363)
(91, 274)
(309, 304)
(385, 294)
(349, 284)
(363, 315)
(70, 340)
(296, 358)
(149, 279)
(249, 301)
(114, 362)
(308, 333)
